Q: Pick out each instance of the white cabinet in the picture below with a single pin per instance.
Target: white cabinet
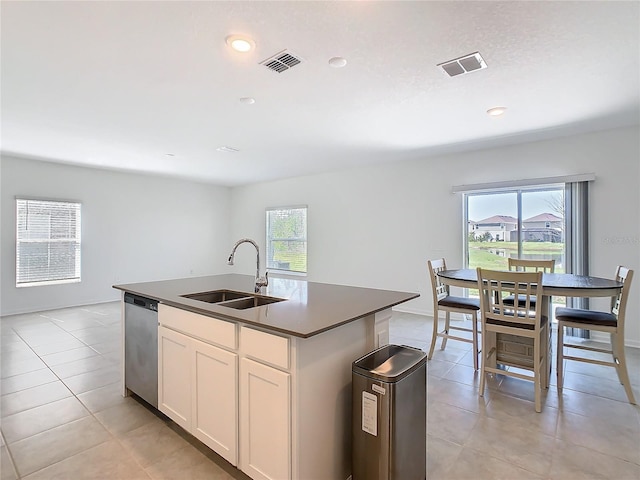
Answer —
(198, 383)
(214, 399)
(174, 382)
(265, 421)
(265, 405)
(276, 406)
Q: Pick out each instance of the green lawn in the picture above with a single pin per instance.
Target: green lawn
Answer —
(297, 261)
(482, 254)
(494, 255)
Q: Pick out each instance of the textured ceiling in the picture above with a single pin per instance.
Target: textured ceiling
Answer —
(123, 84)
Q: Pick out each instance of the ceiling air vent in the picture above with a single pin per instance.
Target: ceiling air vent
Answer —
(468, 63)
(281, 61)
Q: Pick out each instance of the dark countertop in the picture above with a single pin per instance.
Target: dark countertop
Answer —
(311, 308)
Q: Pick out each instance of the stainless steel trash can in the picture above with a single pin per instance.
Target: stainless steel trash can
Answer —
(389, 414)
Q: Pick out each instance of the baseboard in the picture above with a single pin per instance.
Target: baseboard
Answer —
(454, 316)
(605, 338)
(60, 307)
(595, 336)
(415, 311)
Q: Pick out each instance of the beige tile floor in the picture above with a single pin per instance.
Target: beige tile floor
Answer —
(589, 430)
(63, 416)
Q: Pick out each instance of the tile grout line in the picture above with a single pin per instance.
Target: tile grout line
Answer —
(507, 394)
(73, 394)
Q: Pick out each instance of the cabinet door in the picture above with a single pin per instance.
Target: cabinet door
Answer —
(174, 376)
(265, 425)
(215, 399)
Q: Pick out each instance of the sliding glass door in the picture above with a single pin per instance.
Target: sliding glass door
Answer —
(518, 223)
(532, 221)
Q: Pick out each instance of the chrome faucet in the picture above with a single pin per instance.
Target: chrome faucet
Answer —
(260, 281)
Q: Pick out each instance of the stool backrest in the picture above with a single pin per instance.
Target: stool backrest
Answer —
(439, 289)
(494, 285)
(519, 265)
(619, 302)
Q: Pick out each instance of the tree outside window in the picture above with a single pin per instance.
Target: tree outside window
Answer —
(287, 239)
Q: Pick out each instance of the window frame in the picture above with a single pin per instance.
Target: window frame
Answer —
(74, 208)
(269, 241)
(518, 191)
(576, 224)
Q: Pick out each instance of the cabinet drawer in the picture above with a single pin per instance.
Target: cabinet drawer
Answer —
(208, 329)
(263, 346)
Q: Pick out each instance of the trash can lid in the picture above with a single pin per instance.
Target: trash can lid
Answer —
(390, 363)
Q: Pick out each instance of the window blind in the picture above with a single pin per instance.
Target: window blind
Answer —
(287, 239)
(48, 242)
(577, 208)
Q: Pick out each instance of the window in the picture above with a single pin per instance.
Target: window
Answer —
(287, 239)
(540, 219)
(519, 223)
(48, 242)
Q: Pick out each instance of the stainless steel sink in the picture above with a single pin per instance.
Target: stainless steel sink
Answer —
(250, 302)
(216, 296)
(233, 299)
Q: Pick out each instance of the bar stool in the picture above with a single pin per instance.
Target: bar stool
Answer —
(609, 322)
(519, 320)
(444, 302)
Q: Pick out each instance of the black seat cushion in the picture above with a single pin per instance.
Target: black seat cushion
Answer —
(588, 317)
(522, 300)
(460, 302)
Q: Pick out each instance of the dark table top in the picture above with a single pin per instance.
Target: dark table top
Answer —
(563, 284)
(311, 308)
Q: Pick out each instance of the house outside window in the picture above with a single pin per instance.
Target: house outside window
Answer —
(287, 239)
(48, 241)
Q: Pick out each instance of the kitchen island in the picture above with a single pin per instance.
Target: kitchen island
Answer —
(266, 387)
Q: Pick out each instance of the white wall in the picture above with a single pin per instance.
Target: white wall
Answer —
(372, 226)
(377, 226)
(134, 228)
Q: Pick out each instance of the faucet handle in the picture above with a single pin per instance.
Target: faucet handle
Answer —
(262, 281)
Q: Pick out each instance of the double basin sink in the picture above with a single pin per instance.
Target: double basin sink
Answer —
(233, 299)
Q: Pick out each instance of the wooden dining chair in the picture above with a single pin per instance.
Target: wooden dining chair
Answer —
(522, 320)
(520, 265)
(444, 302)
(611, 322)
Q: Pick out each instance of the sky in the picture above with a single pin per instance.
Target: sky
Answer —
(533, 203)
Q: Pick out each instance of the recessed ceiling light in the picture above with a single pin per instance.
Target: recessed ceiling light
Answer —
(248, 100)
(496, 111)
(227, 149)
(337, 62)
(240, 43)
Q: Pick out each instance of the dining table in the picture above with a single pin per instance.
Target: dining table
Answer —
(553, 285)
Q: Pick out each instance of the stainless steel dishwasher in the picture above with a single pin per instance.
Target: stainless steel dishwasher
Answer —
(141, 347)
